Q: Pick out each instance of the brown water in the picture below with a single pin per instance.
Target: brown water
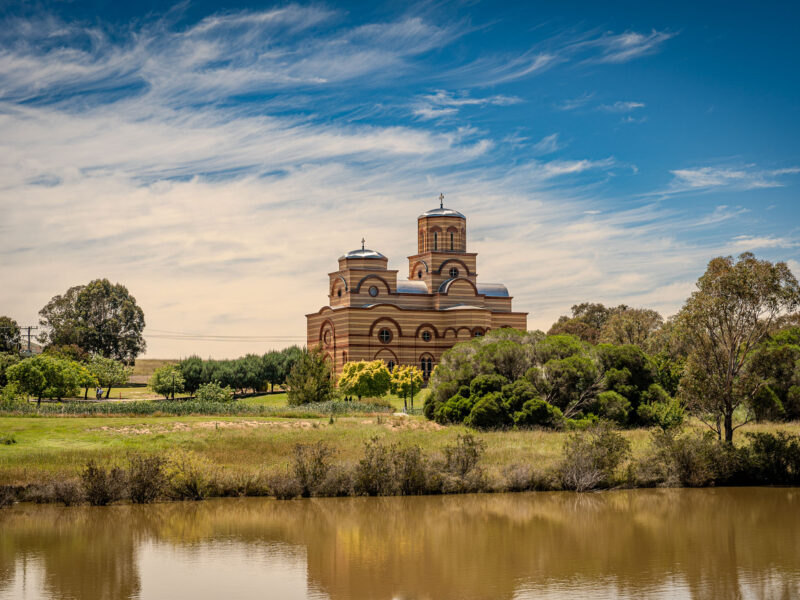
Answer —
(717, 543)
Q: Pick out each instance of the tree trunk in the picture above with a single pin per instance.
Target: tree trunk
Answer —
(729, 426)
(86, 394)
(108, 392)
(38, 402)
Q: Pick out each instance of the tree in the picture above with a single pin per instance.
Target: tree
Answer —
(192, 370)
(311, 378)
(48, 377)
(362, 378)
(273, 368)
(631, 326)
(9, 335)
(108, 372)
(732, 311)
(166, 381)
(7, 359)
(100, 317)
(587, 321)
(777, 360)
(406, 381)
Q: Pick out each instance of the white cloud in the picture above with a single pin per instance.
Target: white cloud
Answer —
(735, 178)
(443, 103)
(624, 47)
(225, 220)
(620, 106)
(548, 144)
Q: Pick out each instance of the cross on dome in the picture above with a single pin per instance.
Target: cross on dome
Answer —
(363, 241)
(441, 200)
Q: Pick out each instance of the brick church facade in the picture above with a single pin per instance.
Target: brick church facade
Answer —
(371, 315)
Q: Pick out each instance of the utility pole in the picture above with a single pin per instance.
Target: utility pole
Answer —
(29, 328)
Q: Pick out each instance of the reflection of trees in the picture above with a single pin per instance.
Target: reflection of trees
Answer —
(718, 543)
(85, 553)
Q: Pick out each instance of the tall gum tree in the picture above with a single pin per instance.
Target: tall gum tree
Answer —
(732, 311)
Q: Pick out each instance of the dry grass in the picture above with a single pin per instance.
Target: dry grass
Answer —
(242, 446)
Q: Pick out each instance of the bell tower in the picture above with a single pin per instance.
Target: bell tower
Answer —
(441, 248)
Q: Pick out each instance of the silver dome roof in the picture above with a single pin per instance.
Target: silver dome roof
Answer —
(363, 253)
(441, 212)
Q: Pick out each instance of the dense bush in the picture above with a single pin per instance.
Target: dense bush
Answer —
(774, 459)
(214, 392)
(513, 379)
(147, 478)
(538, 413)
(102, 485)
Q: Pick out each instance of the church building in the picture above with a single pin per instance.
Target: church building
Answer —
(372, 316)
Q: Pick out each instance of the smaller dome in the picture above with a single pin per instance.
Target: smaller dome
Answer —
(441, 212)
(363, 253)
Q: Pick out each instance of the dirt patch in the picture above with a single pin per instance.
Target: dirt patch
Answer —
(204, 425)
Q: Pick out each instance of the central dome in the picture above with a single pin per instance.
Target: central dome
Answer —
(363, 253)
(441, 212)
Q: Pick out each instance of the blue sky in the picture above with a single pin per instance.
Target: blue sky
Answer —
(218, 158)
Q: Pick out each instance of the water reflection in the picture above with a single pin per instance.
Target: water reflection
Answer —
(725, 543)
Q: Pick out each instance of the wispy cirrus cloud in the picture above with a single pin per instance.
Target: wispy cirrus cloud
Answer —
(747, 177)
(623, 47)
(621, 106)
(443, 103)
(128, 156)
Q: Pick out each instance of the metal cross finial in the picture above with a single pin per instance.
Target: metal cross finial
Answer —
(441, 200)
(362, 243)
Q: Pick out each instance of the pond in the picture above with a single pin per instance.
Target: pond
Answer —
(711, 543)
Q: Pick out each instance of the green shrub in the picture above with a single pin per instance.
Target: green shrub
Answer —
(188, 477)
(774, 458)
(455, 410)
(486, 384)
(613, 406)
(767, 406)
(102, 486)
(689, 460)
(518, 393)
(213, 392)
(12, 397)
(665, 415)
(488, 413)
(538, 413)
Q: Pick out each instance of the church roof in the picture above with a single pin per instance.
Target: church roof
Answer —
(412, 287)
(363, 253)
(441, 212)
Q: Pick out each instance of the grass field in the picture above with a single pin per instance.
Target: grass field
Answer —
(46, 446)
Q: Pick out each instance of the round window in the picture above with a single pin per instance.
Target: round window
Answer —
(373, 291)
(426, 335)
(453, 272)
(385, 335)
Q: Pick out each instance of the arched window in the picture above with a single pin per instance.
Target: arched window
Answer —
(419, 274)
(344, 357)
(478, 333)
(385, 336)
(339, 292)
(453, 272)
(435, 241)
(426, 366)
(452, 240)
(390, 364)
